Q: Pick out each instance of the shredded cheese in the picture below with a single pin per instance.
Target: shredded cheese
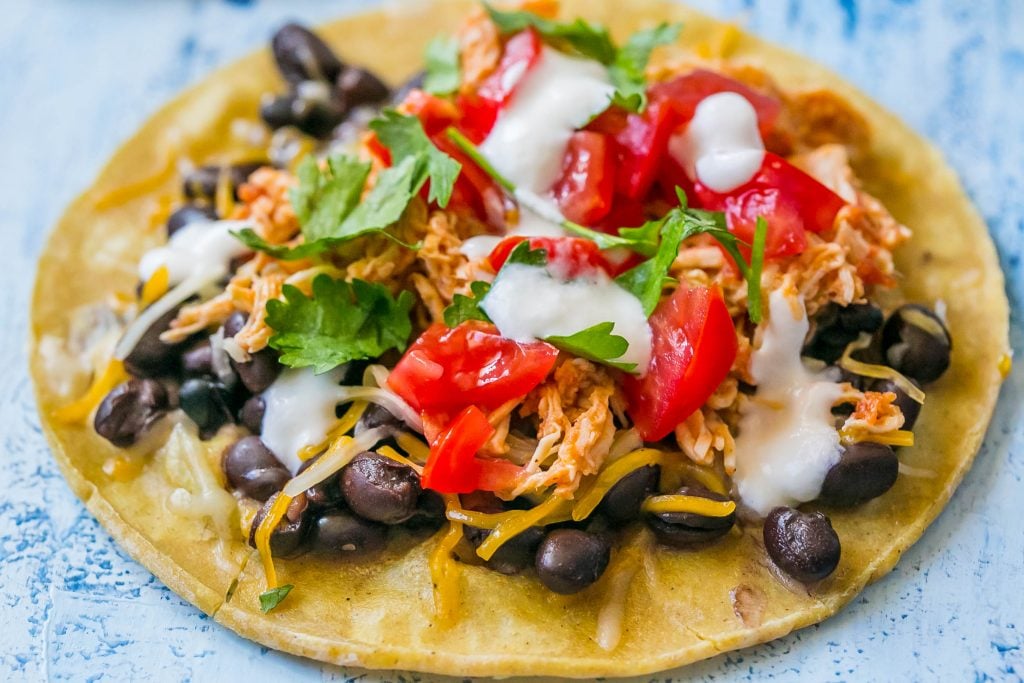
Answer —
(519, 521)
(346, 423)
(610, 476)
(677, 469)
(224, 197)
(878, 371)
(416, 449)
(444, 571)
(610, 617)
(155, 287)
(696, 505)
(389, 452)
(262, 536)
(80, 409)
(899, 437)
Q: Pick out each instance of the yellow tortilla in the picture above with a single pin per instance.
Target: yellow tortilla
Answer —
(683, 606)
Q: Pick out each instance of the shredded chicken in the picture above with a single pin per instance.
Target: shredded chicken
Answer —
(264, 202)
(704, 435)
(875, 413)
(479, 48)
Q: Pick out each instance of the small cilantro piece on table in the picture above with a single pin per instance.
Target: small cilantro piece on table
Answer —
(625, 64)
(273, 597)
(341, 322)
(441, 59)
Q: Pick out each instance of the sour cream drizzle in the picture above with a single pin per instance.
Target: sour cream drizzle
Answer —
(722, 146)
(557, 96)
(526, 303)
(299, 412)
(203, 249)
(788, 440)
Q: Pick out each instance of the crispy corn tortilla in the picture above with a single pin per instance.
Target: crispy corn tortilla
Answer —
(683, 606)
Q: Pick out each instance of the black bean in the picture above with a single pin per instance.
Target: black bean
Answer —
(326, 494)
(916, 343)
(622, 502)
(348, 536)
(415, 82)
(252, 468)
(865, 470)
(836, 326)
(316, 117)
(357, 86)
(198, 360)
(129, 410)
(201, 183)
(569, 560)
(208, 403)
(376, 416)
(188, 214)
(290, 537)
(278, 111)
(251, 414)
(684, 529)
(429, 511)
(151, 357)
(516, 554)
(380, 489)
(234, 324)
(302, 56)
(260, 371)
(804, 545)
(910, 408)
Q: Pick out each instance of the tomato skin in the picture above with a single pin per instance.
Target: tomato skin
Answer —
(480, 109)
(571, 257)
(584, 191)
(640, 142)
(449, 369)
(684, 93)
(790, 200)
(452, 466)
(694, 346)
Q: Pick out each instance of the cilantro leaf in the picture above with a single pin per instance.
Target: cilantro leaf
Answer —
(627, 69)
(249, 238)
(273, 597)
(528, 256)
(465, 308)
(405, 138)
(323, 197)
(595, 343)
(341, 322)
(443, 75)
(647, 279)
(754, 272)
(588, 39)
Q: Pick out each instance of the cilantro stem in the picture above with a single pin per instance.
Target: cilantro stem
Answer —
(471, 150)
(754, 273)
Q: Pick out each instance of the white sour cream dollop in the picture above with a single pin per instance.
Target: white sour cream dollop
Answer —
(202, 249)
(722, 146)
(787, 440)
(300, 411)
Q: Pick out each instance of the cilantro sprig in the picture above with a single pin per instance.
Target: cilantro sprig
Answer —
(625, 64)
(442, 74)
(327, 199)
(341, 322)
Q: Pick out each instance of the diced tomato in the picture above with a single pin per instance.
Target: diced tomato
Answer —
(672, 175)
(435, 113)
(640, 142)
(474, 188)
(693, 348)
(497, 475)
(480, 109)
(452, 466)
(571, 256)
(584, 191)
(790, 200)
(449, 369)
(684, 93)
(625, 213)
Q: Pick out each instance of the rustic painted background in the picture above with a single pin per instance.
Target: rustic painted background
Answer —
(76, 77)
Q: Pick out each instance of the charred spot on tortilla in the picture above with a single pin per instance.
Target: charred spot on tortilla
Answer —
(570, 333)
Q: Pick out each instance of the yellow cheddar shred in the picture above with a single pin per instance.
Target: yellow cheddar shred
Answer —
(417, 450)
(224, 198)
(267, 525)
(389, 452)
(346, 423)
(1005, 365)
(156, 286)
(899, 437)
(521, 520)
(79, 410)
(692, 504)
(677, 470)
(610, 476)
(850, 364)
(444, 570)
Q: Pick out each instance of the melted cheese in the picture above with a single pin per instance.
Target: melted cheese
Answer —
(300, 411)
(560, 94)
(788, 440)
(201, 250)
(722, 146)
(527, 303)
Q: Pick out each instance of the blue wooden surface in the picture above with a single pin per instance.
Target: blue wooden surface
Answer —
(77, 77)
